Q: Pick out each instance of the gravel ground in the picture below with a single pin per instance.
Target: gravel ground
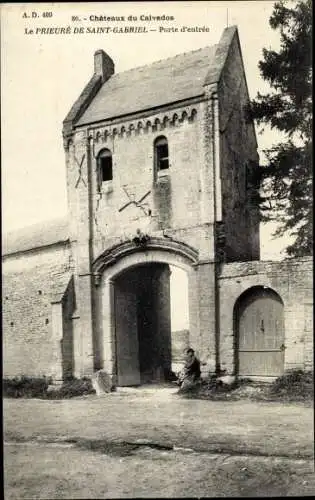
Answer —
(148, 443)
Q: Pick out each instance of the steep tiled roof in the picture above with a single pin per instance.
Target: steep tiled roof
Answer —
(170, 80)
(35, 236)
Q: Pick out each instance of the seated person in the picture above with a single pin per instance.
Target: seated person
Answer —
(191, 371)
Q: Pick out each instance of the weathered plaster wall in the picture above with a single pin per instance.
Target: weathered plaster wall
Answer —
(175, 199)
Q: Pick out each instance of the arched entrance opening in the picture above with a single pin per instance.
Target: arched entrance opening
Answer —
(143, 324)
(259, 333)
(137, 314)
(150, 329)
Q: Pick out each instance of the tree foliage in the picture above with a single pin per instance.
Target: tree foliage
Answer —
(287, 175)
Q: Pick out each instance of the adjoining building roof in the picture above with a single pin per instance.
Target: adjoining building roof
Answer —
(170, 80)
(35, 236)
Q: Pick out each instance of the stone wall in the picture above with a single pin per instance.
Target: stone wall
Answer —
(292, 280)
(239, 160)
(174, 199)
(177, 208)
(180, 201)
(30, 283)
(68, 304)
(177, 203)
(33, 280)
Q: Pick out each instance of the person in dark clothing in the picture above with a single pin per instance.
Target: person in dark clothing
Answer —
(191, 371)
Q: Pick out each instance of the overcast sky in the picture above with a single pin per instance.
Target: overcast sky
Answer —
(43, 74)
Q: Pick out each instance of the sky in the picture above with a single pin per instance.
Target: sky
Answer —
(42, 74)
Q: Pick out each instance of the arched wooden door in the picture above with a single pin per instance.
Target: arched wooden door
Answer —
(260, 333)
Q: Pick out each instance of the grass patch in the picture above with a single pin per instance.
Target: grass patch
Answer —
(25, 387)
(210, 388)
(294, 385)
(41, 388)
(71, 389)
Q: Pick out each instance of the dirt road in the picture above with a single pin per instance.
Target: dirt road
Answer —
(155, 444)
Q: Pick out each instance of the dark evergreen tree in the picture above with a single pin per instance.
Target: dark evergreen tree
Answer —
(286, 178)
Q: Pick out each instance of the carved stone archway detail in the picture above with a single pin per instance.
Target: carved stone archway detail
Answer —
(168, 246)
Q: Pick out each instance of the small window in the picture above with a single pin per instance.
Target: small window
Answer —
(105, 166)
(161, 154)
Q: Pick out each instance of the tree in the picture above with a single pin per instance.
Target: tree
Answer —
(286, 179)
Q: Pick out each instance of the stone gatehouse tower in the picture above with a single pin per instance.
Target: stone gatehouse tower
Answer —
(160, 164)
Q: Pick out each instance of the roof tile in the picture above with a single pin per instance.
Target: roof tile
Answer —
(169, 80)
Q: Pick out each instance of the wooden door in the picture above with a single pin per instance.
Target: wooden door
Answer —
(127, 345)
(261, 334)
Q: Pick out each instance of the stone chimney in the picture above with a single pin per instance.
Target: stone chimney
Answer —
(103, 65)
